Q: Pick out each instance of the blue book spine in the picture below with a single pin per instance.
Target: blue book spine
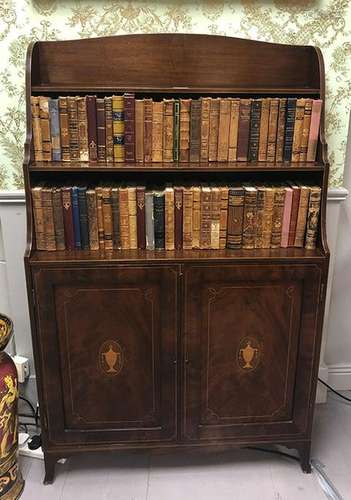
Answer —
(55, 129)
(76, 221)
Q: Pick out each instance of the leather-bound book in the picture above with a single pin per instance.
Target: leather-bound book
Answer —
(109, 129)
(313, 218)
(223, 130)
(157, 131)
(148, 130)
(206, 210)
(215, 217)
(72, 108)
(168, 126)
(255, 129)
(262, 148)
(298, 127)
(272, 129)
(267, 217)
(176, 126)
(58, 219)
(68, 217)
(132, 213)
(140, 208)
(101, 129)
(279, 152)
(83, 129)
(302, 216)
(118, 128)
(124, 217)
(139, 130)
(38, 216)
(178, 217)
(284, 243)
(187, 218)
(233, 128)
(244, 129)
(195, 130)
(223, 217)
(214, 126)
(249, 217)
(64, 129)
(129, 126)
(149, 220)
(159, 219)
(76, 218)
(38, 148)
(235, 217)
(277, 216)
(305, 129)
(116, 235)
(49, 224)
(261, 195)
(184, 130)
(92, 220)
(100, 217)
(92, 127)
(314, 129)
(45, 127)
(55, 129)
(83, 217)
(289, 127)
(196, 216)
(169, 218)
(296, 191)
(107, 217)
(205, 127)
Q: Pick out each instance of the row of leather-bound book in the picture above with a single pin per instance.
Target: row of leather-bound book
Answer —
(108, 217)
(122, 128)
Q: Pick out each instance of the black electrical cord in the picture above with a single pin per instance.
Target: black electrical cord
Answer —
(29, 404)
(275, 452)
(334, 391)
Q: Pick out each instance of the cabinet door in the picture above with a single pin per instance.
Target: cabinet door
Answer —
(250, 348)
(107, 342)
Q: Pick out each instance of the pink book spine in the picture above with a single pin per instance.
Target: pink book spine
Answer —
(286, 217)
(314, 129)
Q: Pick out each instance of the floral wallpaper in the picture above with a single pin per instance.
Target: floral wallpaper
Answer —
(326, 23)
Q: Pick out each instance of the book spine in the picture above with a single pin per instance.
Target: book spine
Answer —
(132, 213)
(148, 130)
(101, 129)
(244, 129)
(64, 129)
(286, 217)
(76, 217)
(196, 216)
(215, 217)
(68, 217)
(38, 215)
(314, 129)
(176, 125)
(168, 126)
(184, 130)
(205, 127)
(55, 129)
(233, 129)
(205, 227)
(255, 129)
(107, 217)
(223, 130)
(313, 218)
(149, 220)
(249, 217)
(267, 218)
(157, 131)
(38, 148)
(83, 217)
(187, 218)
(83, 129)
(92, 219)
(214, 126)
(277, 217)
(302, 217)
(294, 213)
(140, 208)
(299, 114)
(289, 128)
(235, 217)
(100, 217)
(45, 127)
(139, 130)
(195, 129)
(124, 217)
(178, 218)
(272, 129)
(281, 130)
(305, 129)
(129, 124)
(118, 128)
(72, 108)
(92, 129)
(223, 217)
(261, 194)
(109, 129)
(49, 224)
(262, 148)
(159, 220)
(169, 218)
(116, 236)
(58, 219)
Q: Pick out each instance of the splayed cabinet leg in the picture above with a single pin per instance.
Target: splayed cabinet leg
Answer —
(305, 456)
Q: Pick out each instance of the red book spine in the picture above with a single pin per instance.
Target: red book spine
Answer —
(141, 229)
(129, 126)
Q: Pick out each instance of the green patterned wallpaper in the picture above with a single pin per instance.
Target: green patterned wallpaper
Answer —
(326, 23)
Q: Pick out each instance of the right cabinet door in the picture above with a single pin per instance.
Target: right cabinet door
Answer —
(250, 348)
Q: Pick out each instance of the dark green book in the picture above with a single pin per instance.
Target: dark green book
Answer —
(159, 219)
(254, 129)
(116, 236)
(83, 218)
(176, 111)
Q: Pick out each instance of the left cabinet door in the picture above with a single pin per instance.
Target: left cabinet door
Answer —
(106, 345)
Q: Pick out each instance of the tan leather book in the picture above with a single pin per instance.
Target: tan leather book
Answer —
(298, 128)
(124, 217)
(49, 225)
(184, 130)
(109, 129)
(64, 130)
(72, 109)
(262, 148)
(249, 217)
(244, 129)
(281, 130)
(132, 214)
(267, 218)
(45, 127)
(272, 129)
(107, 217)
(305, 129)
(100, 217)
(205, 127)
(314, 129)
(92, 220)
(38, 216)
(233, 128)
(223, 130)
(196, 216)
(83, 129)
(168, 105)
(277, 216)
(214, 126)
(205, 227)
(261, 194)
(224, 217)
(139, 130)
(157, 131)
(302, 217)
(169, 218)
(38, 149)
(313, 218)
(148, 107)
(215, 217)
(187, 218)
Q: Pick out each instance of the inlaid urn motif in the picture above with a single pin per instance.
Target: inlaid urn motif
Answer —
(249, 353)
(111, 357)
